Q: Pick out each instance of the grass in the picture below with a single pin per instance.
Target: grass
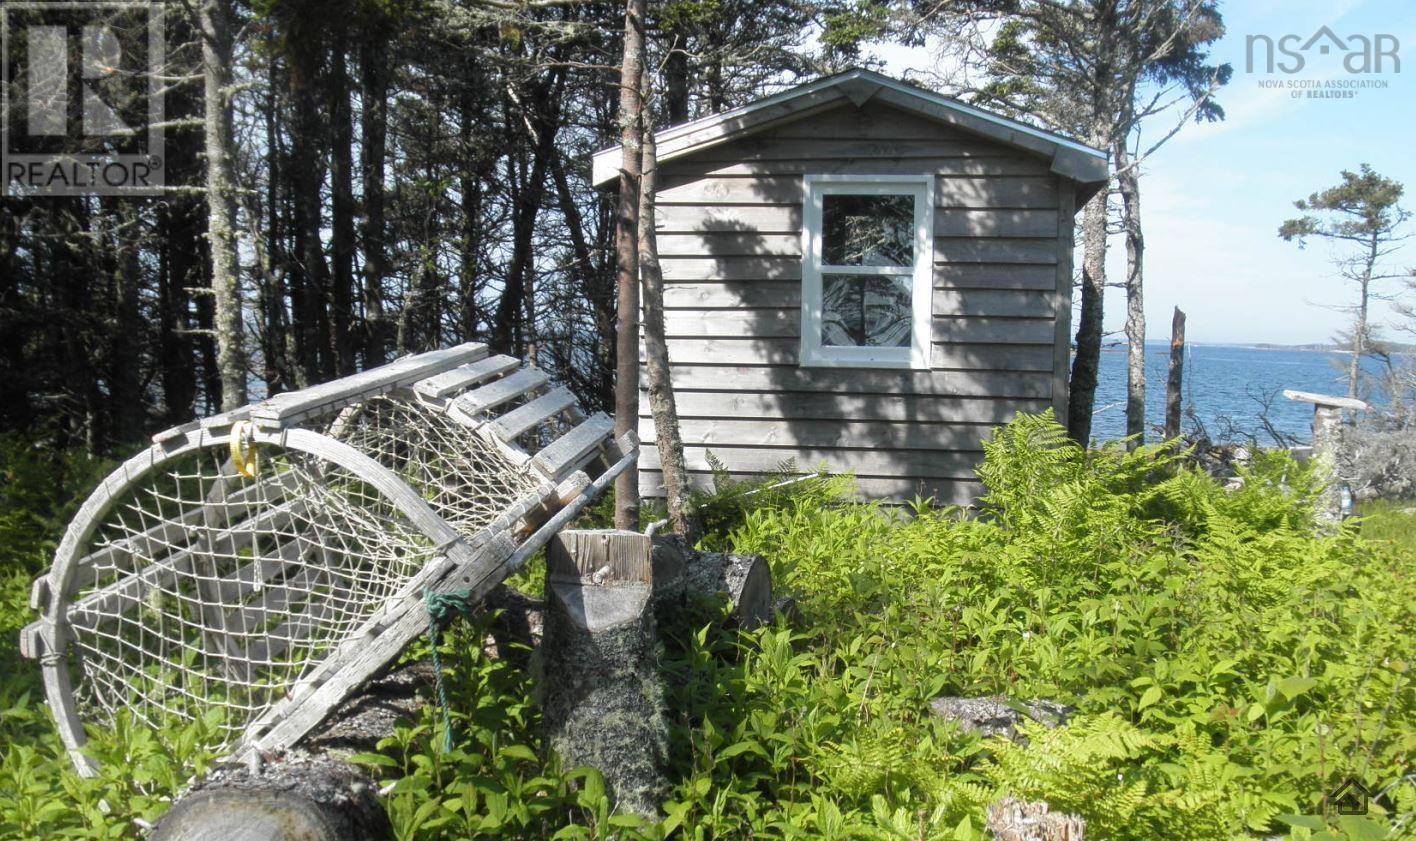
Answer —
(1390, 521)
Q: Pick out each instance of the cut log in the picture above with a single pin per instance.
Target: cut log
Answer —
(603, 695)
(997, 716)
(745, 580)
(301, 799)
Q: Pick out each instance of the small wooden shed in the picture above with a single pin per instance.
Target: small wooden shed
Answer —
(866, 274)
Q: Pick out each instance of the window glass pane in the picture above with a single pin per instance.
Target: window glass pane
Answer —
(865, 311)
(867, 230)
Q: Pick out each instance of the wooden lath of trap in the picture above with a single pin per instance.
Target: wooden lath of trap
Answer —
(252, 569)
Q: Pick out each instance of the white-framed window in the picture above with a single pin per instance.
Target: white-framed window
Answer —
(867, 270)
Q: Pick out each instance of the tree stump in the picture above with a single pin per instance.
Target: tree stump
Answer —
(297, 799)
(1011, 819)
(603, 695)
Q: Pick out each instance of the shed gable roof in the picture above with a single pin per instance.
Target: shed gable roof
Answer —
(1070, 159)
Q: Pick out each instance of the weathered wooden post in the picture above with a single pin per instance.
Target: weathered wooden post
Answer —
(603, 696)
(1176, 375)
(1327, 443)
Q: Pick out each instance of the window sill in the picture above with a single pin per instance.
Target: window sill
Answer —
(883, 364)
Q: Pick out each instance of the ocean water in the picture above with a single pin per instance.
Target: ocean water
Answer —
(1226, 385)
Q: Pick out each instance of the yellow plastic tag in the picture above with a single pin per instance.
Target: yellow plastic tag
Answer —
(243, 450)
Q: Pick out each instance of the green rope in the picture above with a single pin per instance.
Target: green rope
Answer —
(442, 608)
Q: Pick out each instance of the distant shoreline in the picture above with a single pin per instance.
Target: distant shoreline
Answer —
(1394, 347)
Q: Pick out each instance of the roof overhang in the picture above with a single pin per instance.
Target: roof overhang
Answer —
(1069, 159)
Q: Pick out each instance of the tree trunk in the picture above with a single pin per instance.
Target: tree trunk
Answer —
(504, 324)
(214, 19)
(16, 390)
(206, 346)
(278, 339)
(595, 284)
(516, 305)
(1359, 328)
(373, 76)
(306, 176)
(1082, 390)
(125, 386)
(341, 181)
(1176, 376)
(584, 264)
(1128, 182)
(656, 347)
(180, 231)
(181, 246)
(512, 308)
(472, 177)
(627, 256)
(717, 102)
(676, 78)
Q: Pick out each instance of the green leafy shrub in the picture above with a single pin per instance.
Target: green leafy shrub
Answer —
(1228, 665)
(40, 489)
(727, 504)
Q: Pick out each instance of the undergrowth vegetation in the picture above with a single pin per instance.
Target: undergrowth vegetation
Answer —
(1228, 664)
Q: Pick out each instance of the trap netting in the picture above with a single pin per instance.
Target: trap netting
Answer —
(253, 569)
(467, 481)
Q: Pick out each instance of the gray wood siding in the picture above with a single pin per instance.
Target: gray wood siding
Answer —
(729, 222)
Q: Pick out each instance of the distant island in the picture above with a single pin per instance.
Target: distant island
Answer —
(1321, 347)
(1389, 347)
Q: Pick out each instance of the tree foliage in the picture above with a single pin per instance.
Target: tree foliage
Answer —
(407, 174)
(1365, 205)
(1100, 71)
(1363, 217)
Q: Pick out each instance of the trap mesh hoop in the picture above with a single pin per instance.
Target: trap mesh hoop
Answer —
(253, 569)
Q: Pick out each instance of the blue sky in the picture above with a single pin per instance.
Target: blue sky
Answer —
(1214, 196)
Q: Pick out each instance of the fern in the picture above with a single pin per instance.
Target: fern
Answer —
(1227, 662)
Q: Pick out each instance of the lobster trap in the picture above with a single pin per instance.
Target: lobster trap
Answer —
(255, 568)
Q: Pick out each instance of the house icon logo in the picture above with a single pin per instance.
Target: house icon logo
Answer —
(1329, 37)
(1350, 798)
